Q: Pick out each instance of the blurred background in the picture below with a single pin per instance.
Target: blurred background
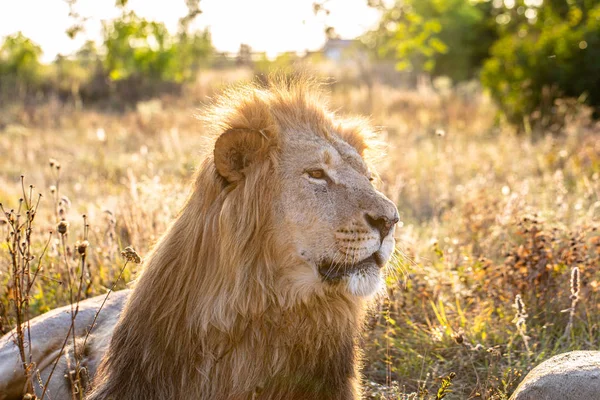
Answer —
(488, 109)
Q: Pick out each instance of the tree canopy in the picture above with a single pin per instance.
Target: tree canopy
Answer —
(527, 53)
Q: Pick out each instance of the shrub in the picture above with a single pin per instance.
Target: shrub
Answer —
(20, 66)
(559, 56)
(143, 58)
(442, 37)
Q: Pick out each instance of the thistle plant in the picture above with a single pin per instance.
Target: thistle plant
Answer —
(24, 270)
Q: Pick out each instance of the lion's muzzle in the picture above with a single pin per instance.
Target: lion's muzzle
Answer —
(333, 272)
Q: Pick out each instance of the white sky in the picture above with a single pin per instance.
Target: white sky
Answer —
(273, 26)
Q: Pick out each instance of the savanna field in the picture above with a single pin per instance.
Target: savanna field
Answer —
(498, 248)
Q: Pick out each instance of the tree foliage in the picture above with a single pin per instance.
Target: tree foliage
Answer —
(19, 62)
(554, 54)
(441, 37)
(136, 58)
(137, 47)
(527, 53)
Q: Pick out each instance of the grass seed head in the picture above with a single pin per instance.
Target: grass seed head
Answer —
(520, 306)
(82, 247)
(131, 255)
(575, 283)
(63, 227)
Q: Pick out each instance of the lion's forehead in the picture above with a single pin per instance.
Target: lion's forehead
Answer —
(351, 156)
(332, 151)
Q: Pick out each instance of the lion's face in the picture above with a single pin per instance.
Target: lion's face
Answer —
(299, 172)
(340, 227)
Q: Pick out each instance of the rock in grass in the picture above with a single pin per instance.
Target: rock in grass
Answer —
(568, 376)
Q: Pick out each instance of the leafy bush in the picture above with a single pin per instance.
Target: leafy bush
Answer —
(528, 53)
(557, 56)
(136, 46)
(19, 64)
(137, 59)
(443, 37)
(142, 57)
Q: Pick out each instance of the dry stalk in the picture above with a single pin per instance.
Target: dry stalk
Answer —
(130, 255)
(519, 321)
(61, 205)
(18, 242)
(575, 286)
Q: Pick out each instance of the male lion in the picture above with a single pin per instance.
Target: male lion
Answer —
(257, 289)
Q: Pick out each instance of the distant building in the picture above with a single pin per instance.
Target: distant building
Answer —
(338, 50)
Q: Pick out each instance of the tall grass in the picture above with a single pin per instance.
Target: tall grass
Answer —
(498, 235)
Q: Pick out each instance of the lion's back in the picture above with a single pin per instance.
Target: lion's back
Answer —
(48, 332)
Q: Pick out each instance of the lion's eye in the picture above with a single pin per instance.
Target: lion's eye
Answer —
(316, 173)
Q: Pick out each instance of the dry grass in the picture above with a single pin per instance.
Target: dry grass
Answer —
(486, 216)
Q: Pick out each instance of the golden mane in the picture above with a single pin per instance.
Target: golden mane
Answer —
(222, 325)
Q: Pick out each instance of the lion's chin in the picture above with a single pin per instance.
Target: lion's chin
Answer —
(361, 279)
(364, 282)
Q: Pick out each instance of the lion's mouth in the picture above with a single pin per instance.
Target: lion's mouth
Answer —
(332, 272)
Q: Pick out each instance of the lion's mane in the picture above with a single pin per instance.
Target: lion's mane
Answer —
(205, 319)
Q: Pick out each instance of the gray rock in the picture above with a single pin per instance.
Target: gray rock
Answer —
(568, 376)
(48, 332)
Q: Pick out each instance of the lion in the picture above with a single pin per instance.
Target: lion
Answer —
(258, 288)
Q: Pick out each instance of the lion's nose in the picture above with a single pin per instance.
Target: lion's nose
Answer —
(382, 223)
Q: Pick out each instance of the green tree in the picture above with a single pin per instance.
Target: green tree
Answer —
(442, 37)
(142, 58)
(193, 52)
(20, 65)
(551, 52)
(137, 47)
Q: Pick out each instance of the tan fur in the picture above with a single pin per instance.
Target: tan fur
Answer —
(254, 290)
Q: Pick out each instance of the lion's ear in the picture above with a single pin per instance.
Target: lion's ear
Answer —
(234, 151)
